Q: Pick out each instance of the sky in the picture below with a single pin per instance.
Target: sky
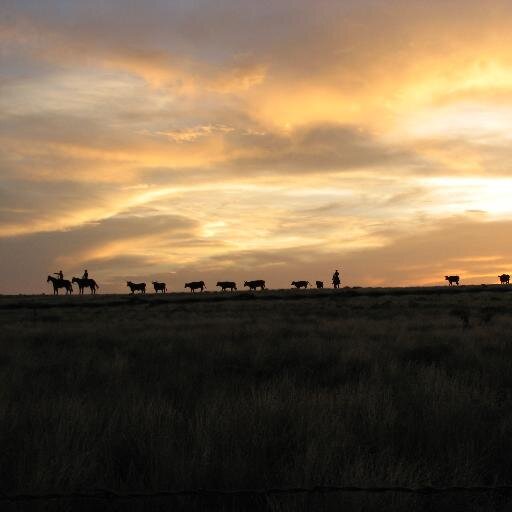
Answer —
(233, 140)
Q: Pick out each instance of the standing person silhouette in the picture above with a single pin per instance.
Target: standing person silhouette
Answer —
(86, 274)
(60, 274)
(336, 279)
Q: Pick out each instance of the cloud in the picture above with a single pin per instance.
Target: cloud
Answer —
(472, 248)
(125, 240)
(320, 147)
(237, 134)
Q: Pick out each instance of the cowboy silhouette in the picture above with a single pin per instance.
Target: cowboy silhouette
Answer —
(59, 273)
(86, 274)
(336, 279)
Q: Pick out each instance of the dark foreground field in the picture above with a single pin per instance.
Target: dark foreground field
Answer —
(407, 387)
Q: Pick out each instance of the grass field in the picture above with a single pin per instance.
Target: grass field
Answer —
(363, 387)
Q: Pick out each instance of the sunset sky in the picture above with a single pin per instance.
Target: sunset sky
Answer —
(232, 140)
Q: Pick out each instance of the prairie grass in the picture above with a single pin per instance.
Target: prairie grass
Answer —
(273, 389)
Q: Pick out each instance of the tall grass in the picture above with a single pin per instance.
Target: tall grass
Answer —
(332, 389)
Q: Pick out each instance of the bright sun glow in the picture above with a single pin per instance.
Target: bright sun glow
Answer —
(459, 195)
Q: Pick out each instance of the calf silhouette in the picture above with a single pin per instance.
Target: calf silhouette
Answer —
(259, 283)
(319, 284)
(195, 285)
(141, 287)
(300, 284)
(227, 284)
(159, 287)
(452, 279)
(60, 283)
(504, 279)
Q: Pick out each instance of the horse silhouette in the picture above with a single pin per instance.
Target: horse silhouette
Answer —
(258, 283)
(60, 283)
(141, 287)
(159, 287)
(195, 285)
(85, 283)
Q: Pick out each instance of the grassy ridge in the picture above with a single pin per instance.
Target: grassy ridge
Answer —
(359, 387)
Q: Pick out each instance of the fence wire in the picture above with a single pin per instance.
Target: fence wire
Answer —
(109, 495)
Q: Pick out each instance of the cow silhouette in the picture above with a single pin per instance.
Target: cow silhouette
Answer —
(195, 285)
(319, 284)
(504, 279)
(141, 287)
(300, 284)
(452, 279)
(258, 283)
(224, 285)
(159, 287)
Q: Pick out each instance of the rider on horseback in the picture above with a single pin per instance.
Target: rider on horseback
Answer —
(86, 274)
(60, 274)
(336, 279)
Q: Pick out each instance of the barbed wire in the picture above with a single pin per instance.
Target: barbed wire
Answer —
(106, 494)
